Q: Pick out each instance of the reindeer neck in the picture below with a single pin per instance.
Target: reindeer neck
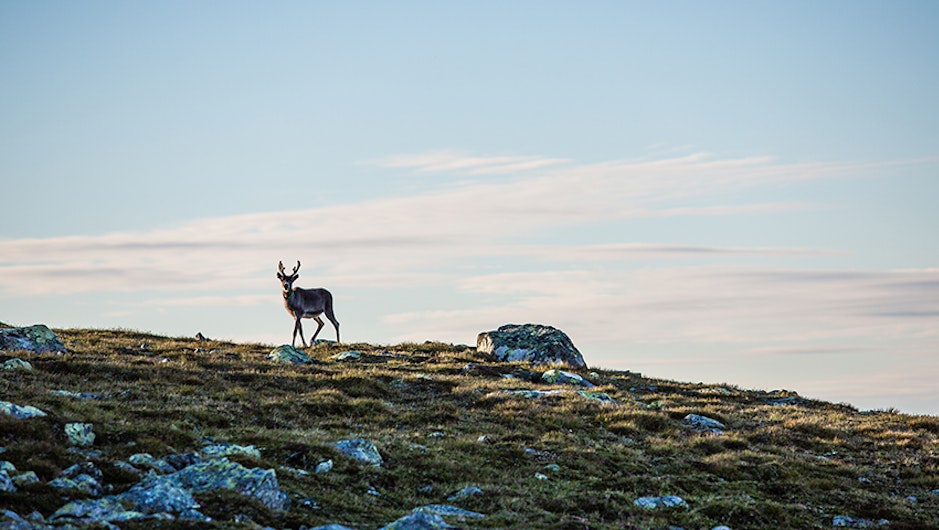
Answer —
(288, 295)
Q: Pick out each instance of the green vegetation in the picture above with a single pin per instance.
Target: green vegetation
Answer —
(442, 420)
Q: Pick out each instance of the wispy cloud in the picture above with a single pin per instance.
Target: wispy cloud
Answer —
(454, 161)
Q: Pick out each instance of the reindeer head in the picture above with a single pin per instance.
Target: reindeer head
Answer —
(287, 279)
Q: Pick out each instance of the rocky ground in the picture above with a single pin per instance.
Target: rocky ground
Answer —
(128, 430)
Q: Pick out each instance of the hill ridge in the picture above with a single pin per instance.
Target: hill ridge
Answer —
(445, 418)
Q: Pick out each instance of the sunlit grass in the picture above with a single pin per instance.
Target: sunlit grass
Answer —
(443, 419)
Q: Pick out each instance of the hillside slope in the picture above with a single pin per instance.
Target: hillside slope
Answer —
(452, 428)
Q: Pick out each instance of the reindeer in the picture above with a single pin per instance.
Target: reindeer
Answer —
(305, 303)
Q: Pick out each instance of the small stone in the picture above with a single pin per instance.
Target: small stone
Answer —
(324, 467)
(16, 364)
(7, 467)
(361, 450)
(6, 483)
(703, 423)
(159, 494)
(350, 355)
(541, 476)
(419, 521)
(553, 468)
(147, 460)
(80, 434)
(445, 510)
(288, 354)
(560, 377)
(106, 509)
(25, 479)
(20, 412)
(220, 450)
(468, 491)
(652, 503)
(857, 522)
(599, 397)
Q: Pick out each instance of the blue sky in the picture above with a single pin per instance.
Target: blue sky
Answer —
(727, 192)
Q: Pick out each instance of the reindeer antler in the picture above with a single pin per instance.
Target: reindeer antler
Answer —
(280, 266)
(295, 269)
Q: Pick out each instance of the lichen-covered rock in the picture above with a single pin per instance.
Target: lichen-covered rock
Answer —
(324, 467)
(146, 460)
(16, 364)
(25, 479)
(845, 521)
(599, 397)
(38, 339)
(159, 494)
(80, 434)
(533, 343)
(221, 473)
(97, 510)
(290, 355)
(19, 411)
(361, 450)
(220, 450)
(703, 424)
(6, 483)
(560, 377)
(351, 355)
(668, 501)
(445, 510)
(464, 493)
(419, 521)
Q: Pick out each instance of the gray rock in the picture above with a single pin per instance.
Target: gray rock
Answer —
(350, 355)
(25, 479)
(10, 520)
(83, 483)
(703, 423)
(78, 395)
(418, 521)
(324, 467)
(6, 483)
(146, 460)
(80, 434)
(560, 377)
(652, 503)
(38, 339)
(223, 474)
(220, 450)
(361, 450)
(857, 522)
(599, 397)
(290, 355)
(7, 466)
(464, 493)
(89, 511)
(20, 411)
(158, 494)
(16, 364)
(330, 527)
(533, 343)
(445, 510)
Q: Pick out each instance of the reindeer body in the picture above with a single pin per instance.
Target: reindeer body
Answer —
(306, 303)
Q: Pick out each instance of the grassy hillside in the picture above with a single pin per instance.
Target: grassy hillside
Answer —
(443, 418)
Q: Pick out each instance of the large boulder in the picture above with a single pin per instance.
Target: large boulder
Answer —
(38, 338)
(534, 343)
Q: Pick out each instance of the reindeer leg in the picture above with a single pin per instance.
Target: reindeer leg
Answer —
(332, 318)
(319, 326)
(298, 327)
